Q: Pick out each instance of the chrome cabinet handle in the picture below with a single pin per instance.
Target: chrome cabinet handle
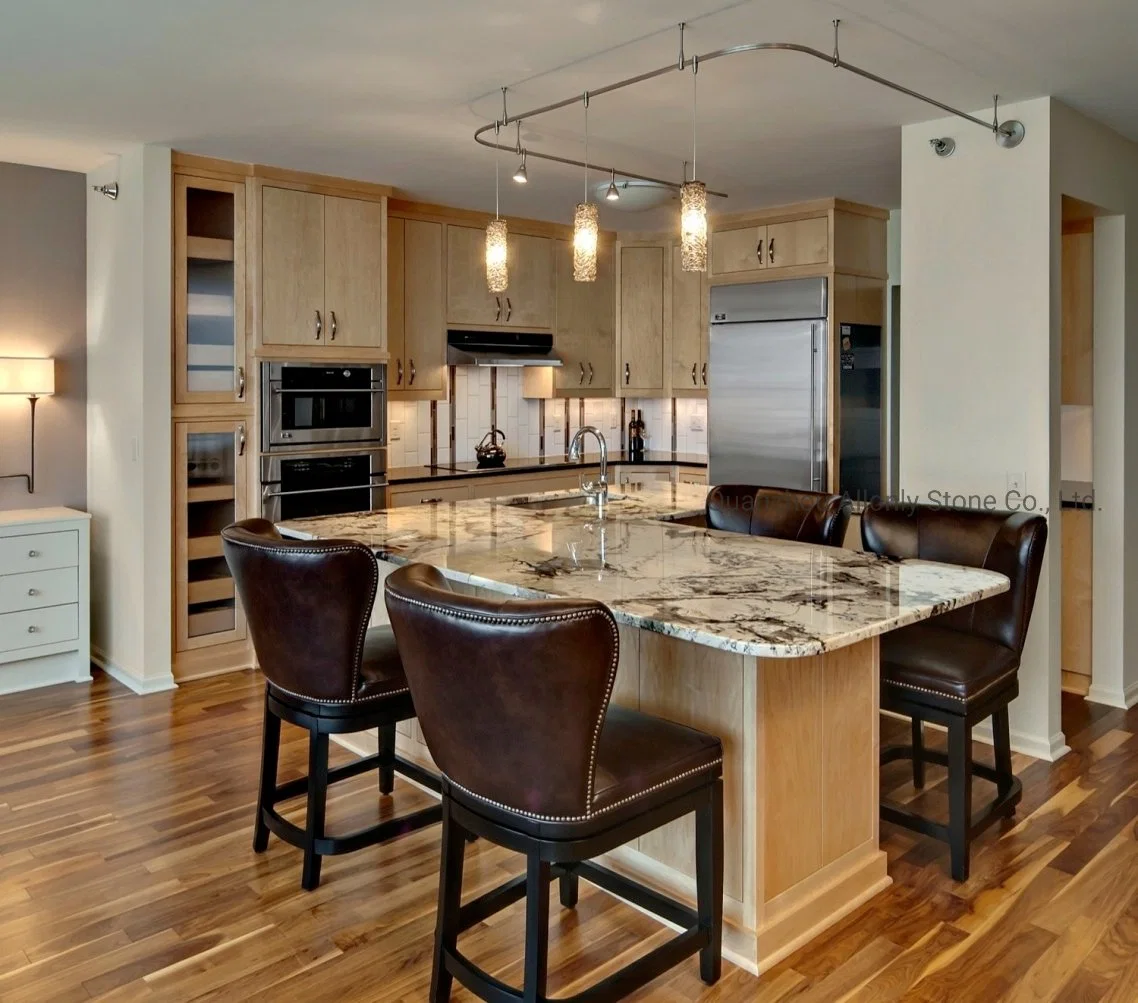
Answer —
(429, 501)
(705, 374)
(581, 381)
(398, 372)
(498, 315)
(694, 381)
(33, 592)
(759, 250)
(33, 629)
(509, 309)
(770, 252)
(411, 368)
(627, 374)
(240, 383)
(332, 329)
(33, 553)
(241, 437)
(590, 374)
(319, 325)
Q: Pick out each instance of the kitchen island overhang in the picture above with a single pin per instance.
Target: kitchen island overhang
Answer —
(769, 644)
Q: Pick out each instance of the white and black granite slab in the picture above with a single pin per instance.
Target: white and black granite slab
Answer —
(751, 595)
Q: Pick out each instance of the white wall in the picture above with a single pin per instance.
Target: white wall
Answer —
(1096, 165)
(128, 417)
(978, 396)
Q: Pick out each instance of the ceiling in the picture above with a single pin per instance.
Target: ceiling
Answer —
(393, 92)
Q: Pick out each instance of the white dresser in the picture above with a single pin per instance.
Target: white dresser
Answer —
(45, 572)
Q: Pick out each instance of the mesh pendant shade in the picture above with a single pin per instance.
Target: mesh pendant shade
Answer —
(585, 229)
(497, 270)
(693, 226)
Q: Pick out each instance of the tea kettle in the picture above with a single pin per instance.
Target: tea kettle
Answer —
(490, 453)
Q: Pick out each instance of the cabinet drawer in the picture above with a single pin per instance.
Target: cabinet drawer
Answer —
(428, 494)
(35, 627)
(39, 552)
(35, 589)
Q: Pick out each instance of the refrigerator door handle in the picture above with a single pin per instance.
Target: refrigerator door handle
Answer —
(813, 408)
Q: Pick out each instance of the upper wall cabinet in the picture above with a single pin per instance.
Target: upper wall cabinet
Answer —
(322, 268)
(644, 271)
(584, 336)
(209, 293)
(416, 315)
(527, 303)
(750, 247)
(689, 330)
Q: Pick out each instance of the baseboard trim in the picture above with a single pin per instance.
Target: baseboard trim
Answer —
(1038, 747)
(1110, 697)
(152, 684)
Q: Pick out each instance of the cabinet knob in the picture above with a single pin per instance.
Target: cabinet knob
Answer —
(240, 383)
(590, 374)
(332, 328)
(627, 374)
(770, 252)
(398, 372)
(411, 375)
(33, 553)
(509, 309)
(33, 629)
(319, 325)
(33, 592)
(705, 374)
(759, 250)
(498, 315)
(694, 381)
(581, 381)
(241, 438)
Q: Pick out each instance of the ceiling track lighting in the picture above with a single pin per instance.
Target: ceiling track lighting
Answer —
(1008, 134)
(612, 193)
(585, 222)
(943, 146)
(497, 245)
(520, 175)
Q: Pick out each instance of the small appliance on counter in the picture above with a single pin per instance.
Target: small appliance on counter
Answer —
(489, 452)
(636, 430)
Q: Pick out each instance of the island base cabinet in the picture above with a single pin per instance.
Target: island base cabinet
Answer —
(800, 783)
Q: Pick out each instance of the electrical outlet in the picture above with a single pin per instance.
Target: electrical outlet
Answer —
(696, 422)
(395, 432)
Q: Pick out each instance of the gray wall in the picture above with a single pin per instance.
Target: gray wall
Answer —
(43, 312)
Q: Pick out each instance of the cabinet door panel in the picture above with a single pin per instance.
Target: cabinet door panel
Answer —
(529, 297)
(353, 272)
(585, 322)
(424, 349)
(689, 323)
(741, 250)
(292, 267)
(396, 311)
(642, 318)
(468, 299)
(801, 242)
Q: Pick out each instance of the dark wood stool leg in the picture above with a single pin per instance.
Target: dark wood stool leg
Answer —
(537, 928)
(1001, 739)
(270, 753)
(918, 753)
(387, 758)
(450, 899)
(959, 796)
(709, 881)
(317, 800)
(569, 889)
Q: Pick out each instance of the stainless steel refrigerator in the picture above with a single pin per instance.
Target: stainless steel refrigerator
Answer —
(768, 390)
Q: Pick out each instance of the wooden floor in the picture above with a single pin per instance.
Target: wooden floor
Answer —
(126, 873)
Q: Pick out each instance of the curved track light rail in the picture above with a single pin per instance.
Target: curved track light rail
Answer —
(1007, 134)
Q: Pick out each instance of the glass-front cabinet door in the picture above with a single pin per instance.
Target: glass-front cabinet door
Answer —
(211, 458)
(209, 291)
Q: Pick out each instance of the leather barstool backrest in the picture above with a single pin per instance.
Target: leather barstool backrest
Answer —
(510, 693)
(805, 516)
(307, 605)
(1011, 543)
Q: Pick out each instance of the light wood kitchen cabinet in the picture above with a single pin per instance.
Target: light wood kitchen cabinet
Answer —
(527, 303)
(689, 330)
(416, 321)
(321, 270)
(210, 365)
(1077, 526)
(741, 249)
(584, 331)
(643, 277)
(773, 245)
(858, 300)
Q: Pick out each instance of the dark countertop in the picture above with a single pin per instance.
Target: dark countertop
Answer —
(1077, 494)
(535, 465)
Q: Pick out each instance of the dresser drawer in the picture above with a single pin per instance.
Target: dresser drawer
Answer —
(35, 589)
(39, 552)
(34, 627)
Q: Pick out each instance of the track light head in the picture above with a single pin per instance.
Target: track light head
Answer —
(520, 175)
(943, 146)
(111, 190)
(612, 193)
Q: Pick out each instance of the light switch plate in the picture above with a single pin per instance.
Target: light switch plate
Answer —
(1017, 481)
(395, 432)
(696, 422)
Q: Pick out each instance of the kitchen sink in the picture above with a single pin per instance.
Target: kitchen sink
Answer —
(550, 504)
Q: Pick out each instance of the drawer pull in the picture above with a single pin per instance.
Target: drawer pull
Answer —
(33, 592)
(429, 501)
(33, 553)
(33, 629)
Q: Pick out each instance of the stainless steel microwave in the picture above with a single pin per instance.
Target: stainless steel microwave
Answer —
(306, 404)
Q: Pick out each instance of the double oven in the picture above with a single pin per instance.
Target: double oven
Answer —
(323, 439)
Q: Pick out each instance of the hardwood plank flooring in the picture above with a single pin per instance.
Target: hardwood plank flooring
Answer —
(126, 873)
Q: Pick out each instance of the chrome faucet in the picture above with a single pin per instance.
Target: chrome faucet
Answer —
(598, 490)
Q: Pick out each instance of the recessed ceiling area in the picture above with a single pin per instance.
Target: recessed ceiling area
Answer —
(393, 92)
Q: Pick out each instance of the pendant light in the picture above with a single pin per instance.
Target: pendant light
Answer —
(613, 192)
(520, 175)
(585, 224)
(497, 269)
(693, 202)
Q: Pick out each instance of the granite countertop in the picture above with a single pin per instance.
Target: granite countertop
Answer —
(535, 464)
(751, 595)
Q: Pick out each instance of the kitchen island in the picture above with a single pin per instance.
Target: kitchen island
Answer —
(771, 645)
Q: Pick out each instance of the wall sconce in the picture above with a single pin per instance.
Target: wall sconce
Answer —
(34, 378)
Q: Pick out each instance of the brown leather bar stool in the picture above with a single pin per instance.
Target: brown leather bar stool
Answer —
(308, 606)
(962, 666)
(513, 700)
(805, 516)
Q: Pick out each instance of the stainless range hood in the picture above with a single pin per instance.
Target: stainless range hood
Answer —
(500, 348)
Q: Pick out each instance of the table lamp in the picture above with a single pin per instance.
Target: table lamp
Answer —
(34, 378)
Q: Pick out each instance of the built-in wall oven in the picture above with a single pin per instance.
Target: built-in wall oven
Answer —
(313, 404)
(303, 485)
